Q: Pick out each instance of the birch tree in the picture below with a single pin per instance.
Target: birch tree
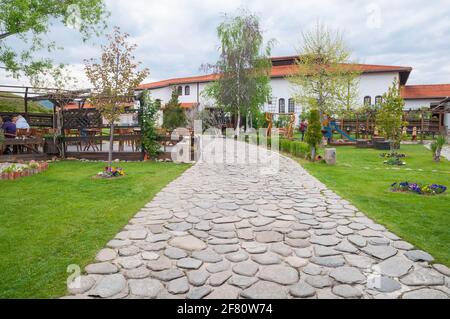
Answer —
(244, 67)
(114, 79)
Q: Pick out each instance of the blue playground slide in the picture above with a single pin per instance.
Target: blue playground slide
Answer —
(333, 126)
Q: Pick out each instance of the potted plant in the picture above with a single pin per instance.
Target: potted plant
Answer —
(8, 172)
(51, 142)
(33, 167)
(15, 171)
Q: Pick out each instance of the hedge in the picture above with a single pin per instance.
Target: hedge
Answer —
(295, 148)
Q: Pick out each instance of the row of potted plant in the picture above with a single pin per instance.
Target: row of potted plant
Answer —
(421, 189)
(14, 171)
(393, 155)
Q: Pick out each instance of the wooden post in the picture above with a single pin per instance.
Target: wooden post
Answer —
(25, 101)
(357, 126)
(422, 127)
(367, 126)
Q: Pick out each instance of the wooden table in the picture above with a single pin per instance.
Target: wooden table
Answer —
(31, 144)
(90, 139)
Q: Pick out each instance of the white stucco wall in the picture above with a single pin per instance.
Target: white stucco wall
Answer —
(370, 84)
(375, 84)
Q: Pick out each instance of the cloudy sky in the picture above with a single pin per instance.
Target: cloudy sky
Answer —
(175, 37)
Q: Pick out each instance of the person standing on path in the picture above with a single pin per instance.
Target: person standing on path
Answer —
(303, 128)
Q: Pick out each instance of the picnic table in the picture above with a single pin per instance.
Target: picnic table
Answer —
(28, 144)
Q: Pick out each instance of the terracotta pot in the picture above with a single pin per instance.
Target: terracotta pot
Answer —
(16, 175)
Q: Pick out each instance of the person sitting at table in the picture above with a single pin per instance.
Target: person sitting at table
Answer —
(9, 131)
(21, 122)
(9, 128)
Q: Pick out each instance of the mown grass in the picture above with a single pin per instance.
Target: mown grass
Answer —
(63, 217)
(361, 177)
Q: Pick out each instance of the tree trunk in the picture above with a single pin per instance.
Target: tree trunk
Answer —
(111, 145)
(313, 154)
(238, 123)
(392, 146)
(437, 156)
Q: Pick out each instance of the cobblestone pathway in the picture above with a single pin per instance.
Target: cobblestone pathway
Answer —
(226, 231)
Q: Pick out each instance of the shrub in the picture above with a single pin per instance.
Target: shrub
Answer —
(437, 146)
(174, 116)
(295, 148)
(314, 132)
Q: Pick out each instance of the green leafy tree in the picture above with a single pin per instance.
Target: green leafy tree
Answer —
(389, 117)
(244, 67)
(323, 72)
(114, 79)
(259, 120)
(149, 118)
(174, 116)
(28, 22)
(313, 135)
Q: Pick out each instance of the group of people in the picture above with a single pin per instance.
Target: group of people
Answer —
(11, 125)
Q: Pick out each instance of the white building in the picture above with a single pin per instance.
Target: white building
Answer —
(374, 81)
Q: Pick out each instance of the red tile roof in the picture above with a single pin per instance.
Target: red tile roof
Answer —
(432, 91)
(277, 72)
(188, 105)
(75, 106)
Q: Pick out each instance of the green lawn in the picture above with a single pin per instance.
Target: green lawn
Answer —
(63, 216)
(361, 177)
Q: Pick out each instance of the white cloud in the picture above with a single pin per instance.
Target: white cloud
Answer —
(175, 37)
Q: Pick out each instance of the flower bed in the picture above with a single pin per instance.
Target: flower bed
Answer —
(112, 172)
(16, 171)
(417, 188)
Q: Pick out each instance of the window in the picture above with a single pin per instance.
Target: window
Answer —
(187, 90)
(378, 100)
(368, 101)
(180, 90)
(291, 106)
(282, 106)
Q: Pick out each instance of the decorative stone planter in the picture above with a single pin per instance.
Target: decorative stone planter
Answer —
(50, 147)
(383, 145)
(23, 171)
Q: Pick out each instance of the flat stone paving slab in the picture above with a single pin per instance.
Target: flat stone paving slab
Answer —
(239, 231)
